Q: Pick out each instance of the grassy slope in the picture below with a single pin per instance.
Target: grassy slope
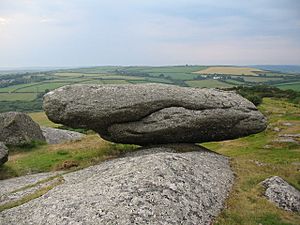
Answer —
(72, 155)
(252, 162)
(42, 120)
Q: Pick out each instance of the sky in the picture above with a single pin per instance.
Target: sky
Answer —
(72, 33)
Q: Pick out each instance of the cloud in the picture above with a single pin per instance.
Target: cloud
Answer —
(99, 32)
(3, 21)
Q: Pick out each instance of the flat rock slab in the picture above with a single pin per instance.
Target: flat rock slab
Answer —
(3, 153)
(154, 113)
(18, 128)
(13, 184)
(158, 187)
(282, 194)
(57, 136)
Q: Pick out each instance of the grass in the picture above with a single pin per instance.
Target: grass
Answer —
(294, 86)
(42, 119)
(260, 79)
(17, 96)
(176, 76)
(42, 87)
(67, 74)
(92, 82)
(252, 163)
(158, 80)
(15, 87)
(115, 82)
(78, 154)
(234, 82)
(207, 83)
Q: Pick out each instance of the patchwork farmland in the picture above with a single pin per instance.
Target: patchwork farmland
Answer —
(17, 88)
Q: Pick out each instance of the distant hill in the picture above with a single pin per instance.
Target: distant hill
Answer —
(279, 68)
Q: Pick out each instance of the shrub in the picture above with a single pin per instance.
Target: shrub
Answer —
(255, 99)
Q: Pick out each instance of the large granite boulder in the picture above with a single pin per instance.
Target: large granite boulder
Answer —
(282, 193)
(154, 113)
(3, 153)
(152, 186)
(57, 136)
(18, 128)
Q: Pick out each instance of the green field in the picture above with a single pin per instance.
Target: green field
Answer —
(37, 83)
(260, 79)
(41, 87)
(293, 86)
(207, 84)
(67, 74)
(115, 82)
(234, 82)
(16, 87)
(17, 96)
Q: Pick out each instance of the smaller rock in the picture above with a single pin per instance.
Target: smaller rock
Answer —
(18, 128)
(3, 153)
(290, 135)
(282, 194)
(286, 140)
(57, 136)
(276, 129)
(295, 163)
(258, 163)
(267, 146)
(287, 124)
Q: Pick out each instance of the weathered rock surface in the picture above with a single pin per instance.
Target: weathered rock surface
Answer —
(13, 184)
(3, 153)
(15, 189)
(282, 194)
(18, 128)
(154, 113)
(153, 186)
(56, 136)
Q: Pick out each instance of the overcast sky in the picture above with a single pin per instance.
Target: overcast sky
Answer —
(148, 32)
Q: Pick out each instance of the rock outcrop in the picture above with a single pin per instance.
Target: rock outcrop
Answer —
(18, 128)
(152, 186)
(282, 194)
(154, 113)
(57, 136)
(3, 153)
